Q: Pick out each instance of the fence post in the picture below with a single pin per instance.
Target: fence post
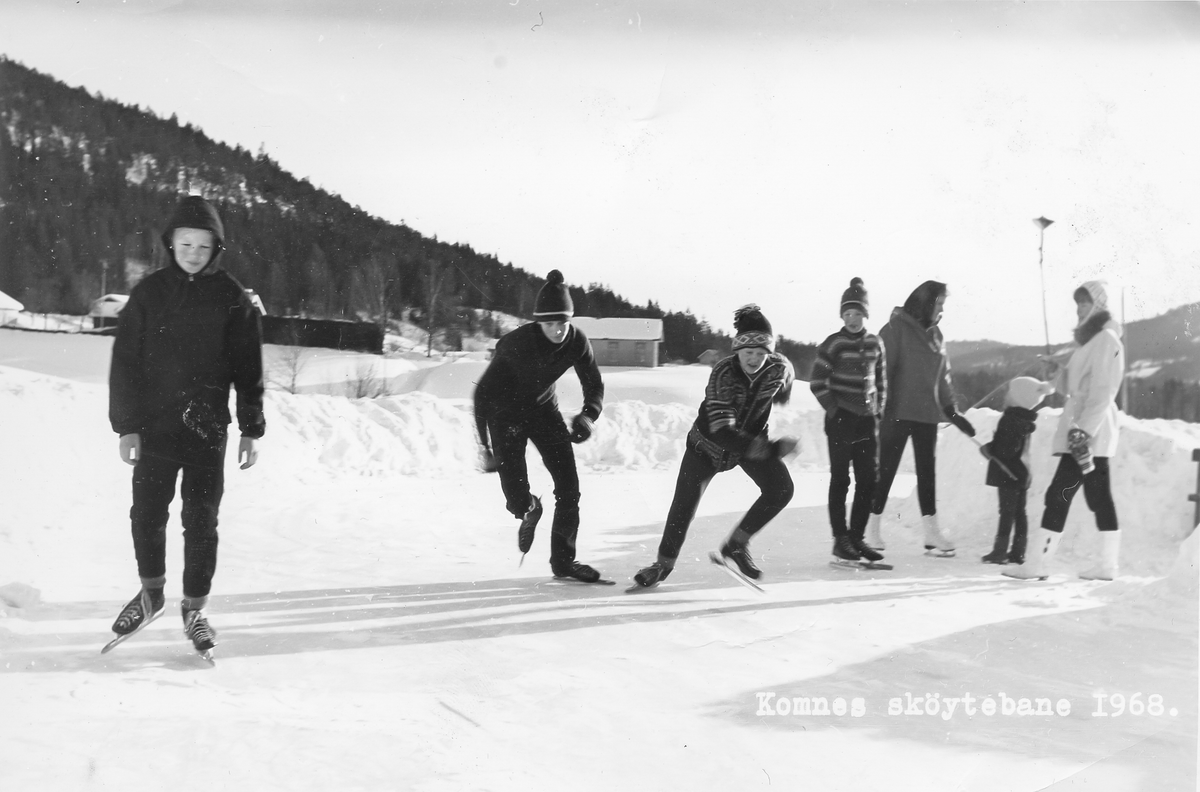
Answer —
(1195, 498)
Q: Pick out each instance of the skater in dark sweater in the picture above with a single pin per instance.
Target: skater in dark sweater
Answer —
(187, 333)
(1008, 453)
(515, 404)
(729, 432)
(849, 380)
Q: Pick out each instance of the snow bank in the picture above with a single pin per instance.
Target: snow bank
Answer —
(62, 431)
(1152, 475)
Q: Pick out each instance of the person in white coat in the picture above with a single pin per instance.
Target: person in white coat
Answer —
(1086, 438)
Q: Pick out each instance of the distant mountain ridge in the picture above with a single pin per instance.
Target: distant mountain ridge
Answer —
(86, 184)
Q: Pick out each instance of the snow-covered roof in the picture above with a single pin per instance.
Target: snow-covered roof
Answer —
(613, 328)
(9, 304)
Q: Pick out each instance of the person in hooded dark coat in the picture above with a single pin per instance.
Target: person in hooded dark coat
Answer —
(920, 397)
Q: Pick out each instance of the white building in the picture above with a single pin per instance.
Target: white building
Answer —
(621, 341)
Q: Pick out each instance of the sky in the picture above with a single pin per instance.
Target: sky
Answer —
(705, 155)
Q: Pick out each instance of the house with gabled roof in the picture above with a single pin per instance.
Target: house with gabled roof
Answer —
(619, 341)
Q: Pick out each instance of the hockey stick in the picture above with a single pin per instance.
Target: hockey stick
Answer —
(991, 458)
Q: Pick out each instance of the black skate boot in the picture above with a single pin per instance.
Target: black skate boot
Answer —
(740, 555)
(197, 628)
(844, 549)
(528, 524)
(141, 610)
(577, 571)
(868, 554)
(997, 557)
(652, 575)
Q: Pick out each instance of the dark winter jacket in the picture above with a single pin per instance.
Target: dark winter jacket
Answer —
(732, 421)
(850, 373)
(182, 340)
(519, 381)
(918, 370)
(1009, 445)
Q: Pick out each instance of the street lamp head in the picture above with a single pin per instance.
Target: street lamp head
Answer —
(1043, 222)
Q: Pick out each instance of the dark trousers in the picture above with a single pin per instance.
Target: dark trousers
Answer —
(203, 484)
(1012, 520)
(548, 433)
(1097, 493)
(696, 470)
(852, 443)
(893, 436)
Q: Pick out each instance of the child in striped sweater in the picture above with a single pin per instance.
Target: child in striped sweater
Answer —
(849, 380)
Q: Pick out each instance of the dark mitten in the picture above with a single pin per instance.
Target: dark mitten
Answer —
(960, 423)
(581, 428)
(487, 460)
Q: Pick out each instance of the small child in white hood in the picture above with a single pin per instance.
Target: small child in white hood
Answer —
(1009, 449)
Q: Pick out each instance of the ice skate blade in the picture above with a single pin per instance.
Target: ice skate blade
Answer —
(860, 566)
(120, 639)
(733, 572)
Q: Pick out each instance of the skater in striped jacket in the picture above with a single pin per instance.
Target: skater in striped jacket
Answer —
(729, 432)
(849, 380)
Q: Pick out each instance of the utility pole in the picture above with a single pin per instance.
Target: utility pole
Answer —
(1042, 223)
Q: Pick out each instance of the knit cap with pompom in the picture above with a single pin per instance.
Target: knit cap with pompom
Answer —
(553, 302)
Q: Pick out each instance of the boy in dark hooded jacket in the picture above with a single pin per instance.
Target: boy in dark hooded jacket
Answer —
(188, 332)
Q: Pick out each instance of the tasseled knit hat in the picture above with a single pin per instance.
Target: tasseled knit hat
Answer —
(1027, 392)
(855, 297)
(752, 328)
(192, 211)
(553, 302)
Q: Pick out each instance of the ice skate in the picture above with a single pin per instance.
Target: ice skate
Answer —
(652, 575)
(874, 537)
(582, 573)
(198, 630)
(135, 616)
(936, 543)
(845, 554)
(996, 557)
(529, 524)
(740, 555)
(865, 552)
(140, 611)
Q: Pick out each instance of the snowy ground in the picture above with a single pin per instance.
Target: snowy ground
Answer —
(377, 632)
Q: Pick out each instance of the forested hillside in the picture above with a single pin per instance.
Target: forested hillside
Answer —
(86, 183)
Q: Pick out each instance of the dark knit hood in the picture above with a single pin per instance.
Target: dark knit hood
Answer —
(919, 304)
(192, 211)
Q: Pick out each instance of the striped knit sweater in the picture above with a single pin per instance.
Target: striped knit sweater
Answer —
(849, 373)
(736, 407)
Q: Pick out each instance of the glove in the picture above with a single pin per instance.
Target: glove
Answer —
(960, 423)
(1079, 442)
(581, 428)
(785, 447)
(487, 460)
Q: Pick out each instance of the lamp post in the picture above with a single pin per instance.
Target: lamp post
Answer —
(1042, 224)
